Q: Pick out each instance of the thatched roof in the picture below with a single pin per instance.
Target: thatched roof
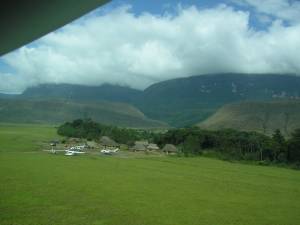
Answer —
(153, 146)
(92, 144)
(74, 140)
(170, 148)
(145, 143)
(139, 146)
(106, 141)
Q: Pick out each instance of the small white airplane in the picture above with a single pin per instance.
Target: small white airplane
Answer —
(72, 152)
(68, 152)
(79, 147)
(109, 151)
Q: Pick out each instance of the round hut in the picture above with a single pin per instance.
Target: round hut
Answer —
(140, 146)
(169, 149)
(108, 142)
(152, 147)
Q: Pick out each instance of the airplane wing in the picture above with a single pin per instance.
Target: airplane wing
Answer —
(23, 21)
(69, 153)
(79, 152)
(46, 150)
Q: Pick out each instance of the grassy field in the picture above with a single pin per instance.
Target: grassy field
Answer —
(24, 137)
(38, 188)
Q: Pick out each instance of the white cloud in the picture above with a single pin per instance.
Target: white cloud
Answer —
(122, 48)
(11, 83)
(288, 10)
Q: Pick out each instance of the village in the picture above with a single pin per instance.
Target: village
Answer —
(106, 146)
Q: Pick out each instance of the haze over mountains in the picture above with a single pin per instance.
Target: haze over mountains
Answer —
(177, 102)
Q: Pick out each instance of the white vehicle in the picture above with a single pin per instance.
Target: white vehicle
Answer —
(109, 151)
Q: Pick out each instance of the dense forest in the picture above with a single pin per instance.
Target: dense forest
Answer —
(226, 144)
(236, 145)
(91, 130)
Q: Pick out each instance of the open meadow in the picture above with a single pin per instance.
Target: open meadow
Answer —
(38, 188)
(24, 137)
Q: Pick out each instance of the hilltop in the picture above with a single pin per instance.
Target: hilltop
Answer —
(263, 117)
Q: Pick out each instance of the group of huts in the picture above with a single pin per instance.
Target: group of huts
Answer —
(139, 146)
(146, 146)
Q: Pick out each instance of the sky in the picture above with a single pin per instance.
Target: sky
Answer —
(137, 43)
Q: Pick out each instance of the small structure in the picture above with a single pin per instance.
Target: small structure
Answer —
(152, 147)
(74, 140)
(108, 142)
(54, 143)
(140, 146)
(169, 149)
(92, 144)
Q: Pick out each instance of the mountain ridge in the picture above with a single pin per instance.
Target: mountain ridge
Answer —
(182, 101)
(193, 99)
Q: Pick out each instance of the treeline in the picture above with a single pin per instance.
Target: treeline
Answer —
(91, 130)
(236, 145)
(225, 144)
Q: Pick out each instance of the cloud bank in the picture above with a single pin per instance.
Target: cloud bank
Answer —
(122, 48)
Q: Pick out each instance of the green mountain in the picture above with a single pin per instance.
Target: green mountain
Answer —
(178, 102)
(50, 111)
(264, 117)
(186, 101)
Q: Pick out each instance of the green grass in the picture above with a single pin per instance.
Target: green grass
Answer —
(24, 137)
(39, 188)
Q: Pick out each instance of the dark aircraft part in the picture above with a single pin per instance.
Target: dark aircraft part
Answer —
(23, 21)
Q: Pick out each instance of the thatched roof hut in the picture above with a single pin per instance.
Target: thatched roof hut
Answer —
(152, 146)
(92, 144)
(140, 146)
(142, 142)
(169, 148)
(107, 141)
(74, 140)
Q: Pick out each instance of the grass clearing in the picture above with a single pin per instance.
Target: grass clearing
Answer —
(41, 188)
(24, 137)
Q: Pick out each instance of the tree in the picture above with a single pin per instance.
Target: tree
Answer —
(279, 146)
(294, 147)
(191, 145)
